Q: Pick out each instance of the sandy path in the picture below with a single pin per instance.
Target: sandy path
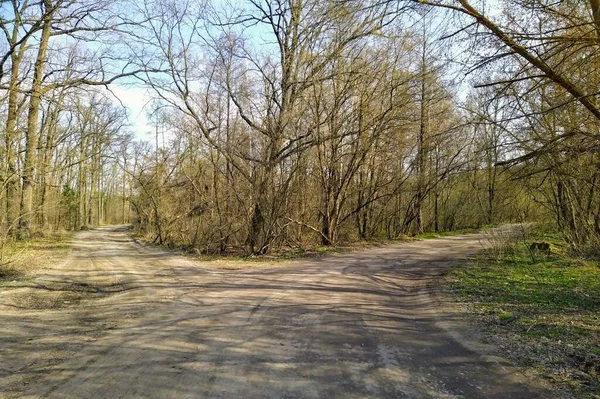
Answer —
(120, 320)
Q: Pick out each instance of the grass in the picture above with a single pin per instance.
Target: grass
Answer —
(21, 259)
(324, 250)
(542, 310)
(240, 258)
(441, 234)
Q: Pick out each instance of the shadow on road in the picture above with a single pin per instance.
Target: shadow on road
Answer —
(150, 324)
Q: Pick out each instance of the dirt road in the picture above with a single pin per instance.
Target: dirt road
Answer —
(121, 320)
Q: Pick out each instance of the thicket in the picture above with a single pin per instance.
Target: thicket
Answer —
(300, 123)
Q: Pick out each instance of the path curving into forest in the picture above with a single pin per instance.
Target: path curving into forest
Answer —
(122, 320)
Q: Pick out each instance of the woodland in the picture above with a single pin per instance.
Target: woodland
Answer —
(283, 124)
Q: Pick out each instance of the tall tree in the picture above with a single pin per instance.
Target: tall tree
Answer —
(56, 35)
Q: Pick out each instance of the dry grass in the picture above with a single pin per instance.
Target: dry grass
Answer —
(21, 259)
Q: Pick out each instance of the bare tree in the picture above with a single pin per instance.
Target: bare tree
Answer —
(55, 34)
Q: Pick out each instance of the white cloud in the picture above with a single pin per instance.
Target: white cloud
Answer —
(137, 100)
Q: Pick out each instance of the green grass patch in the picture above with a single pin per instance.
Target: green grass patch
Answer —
(548, 285)
(543, 310)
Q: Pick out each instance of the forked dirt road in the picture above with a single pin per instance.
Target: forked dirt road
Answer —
(121, 320)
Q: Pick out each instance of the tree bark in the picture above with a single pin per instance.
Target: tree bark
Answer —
(27, 211)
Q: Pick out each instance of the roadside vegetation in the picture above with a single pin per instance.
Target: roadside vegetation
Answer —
(296, 252)
(540, 308)
(20, 259)
(237, 259)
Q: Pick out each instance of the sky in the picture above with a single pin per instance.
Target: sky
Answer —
(135, 99)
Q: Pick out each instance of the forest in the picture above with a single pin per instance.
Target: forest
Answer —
(283, 124)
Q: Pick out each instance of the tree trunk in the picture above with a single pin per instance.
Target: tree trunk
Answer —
(31, 143)
(10, 133)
